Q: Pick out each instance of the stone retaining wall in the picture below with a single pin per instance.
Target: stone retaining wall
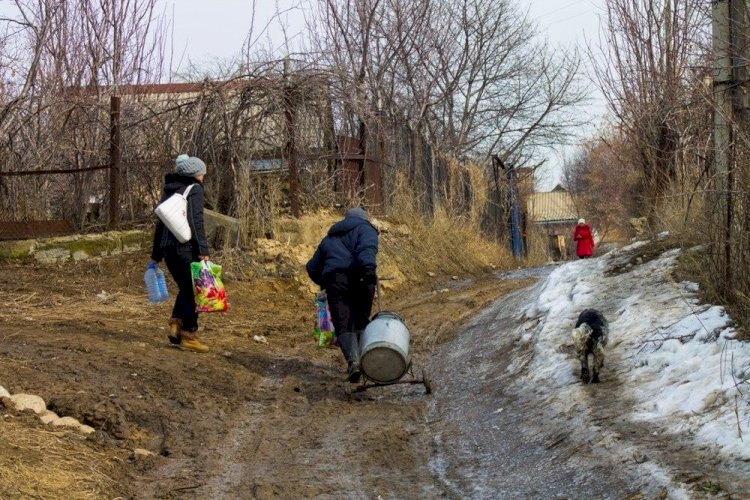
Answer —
(220, 230)
(76, 247)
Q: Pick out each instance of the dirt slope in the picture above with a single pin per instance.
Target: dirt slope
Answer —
(248, 419)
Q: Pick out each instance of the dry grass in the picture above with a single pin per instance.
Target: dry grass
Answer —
(694, 265)
(537, 249)
(688, 222)
(446, 243)
(71, 468)
(411, 245)
(683, 216)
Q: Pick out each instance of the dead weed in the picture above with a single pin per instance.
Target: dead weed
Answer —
(72, 468)
(643, 254)
(694, 265)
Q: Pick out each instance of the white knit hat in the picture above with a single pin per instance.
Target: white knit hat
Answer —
(582, 221)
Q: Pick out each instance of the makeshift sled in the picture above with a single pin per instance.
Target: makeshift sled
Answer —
(384, 352)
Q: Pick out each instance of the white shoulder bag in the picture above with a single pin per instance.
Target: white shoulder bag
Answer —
(173, 213)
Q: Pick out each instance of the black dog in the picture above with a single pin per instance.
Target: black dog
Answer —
(590, 336)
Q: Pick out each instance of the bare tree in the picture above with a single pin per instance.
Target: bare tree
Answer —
(603, 185)
(505, 92)
(465, 78)
(58, 59)
(647, 56)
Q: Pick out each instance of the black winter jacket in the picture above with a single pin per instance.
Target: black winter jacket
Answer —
(351, 245)
(163, 238)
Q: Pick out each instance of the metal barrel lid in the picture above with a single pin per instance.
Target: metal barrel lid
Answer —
(387, 314)
(383, 362)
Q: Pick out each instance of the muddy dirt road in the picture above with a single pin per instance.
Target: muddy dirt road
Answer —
(260, 420)
(248, 419)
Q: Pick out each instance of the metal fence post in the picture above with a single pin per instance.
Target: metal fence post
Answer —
(515, 215)
(115, 157)
(516, 240)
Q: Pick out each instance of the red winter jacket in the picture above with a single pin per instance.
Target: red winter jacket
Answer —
(585, 241)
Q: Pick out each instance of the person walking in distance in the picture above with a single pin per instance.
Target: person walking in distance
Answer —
(344, 265)
(183, 325)
(584, 240)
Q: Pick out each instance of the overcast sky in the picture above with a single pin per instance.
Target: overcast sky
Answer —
(569, 23)
(204, 32)
(207, 32)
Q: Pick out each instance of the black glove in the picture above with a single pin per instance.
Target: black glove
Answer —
(369, 275)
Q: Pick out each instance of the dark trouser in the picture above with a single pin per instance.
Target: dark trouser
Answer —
(350, 301)
(178, 261)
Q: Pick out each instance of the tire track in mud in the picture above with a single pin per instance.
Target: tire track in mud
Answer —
(294, 432)
(305, 437)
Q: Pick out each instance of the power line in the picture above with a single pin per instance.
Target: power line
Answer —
(564, 7)
(558, 21)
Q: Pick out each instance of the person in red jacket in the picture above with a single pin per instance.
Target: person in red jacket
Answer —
(584, 240)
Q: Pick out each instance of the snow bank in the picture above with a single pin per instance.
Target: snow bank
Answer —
(676, 358)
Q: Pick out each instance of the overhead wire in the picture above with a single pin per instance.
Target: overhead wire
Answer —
(564, 7)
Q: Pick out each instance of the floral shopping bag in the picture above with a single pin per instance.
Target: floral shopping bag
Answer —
(323, 330)
(210, 294)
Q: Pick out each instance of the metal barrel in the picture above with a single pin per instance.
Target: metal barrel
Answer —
(384, 354)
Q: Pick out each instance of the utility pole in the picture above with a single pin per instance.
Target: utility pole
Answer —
(729, 44)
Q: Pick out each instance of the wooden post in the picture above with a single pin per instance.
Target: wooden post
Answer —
(729, 45)
(291, 146)
(329, 135)
(363, 150)
(115, 157)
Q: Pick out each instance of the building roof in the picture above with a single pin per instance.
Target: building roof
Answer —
(555, 206)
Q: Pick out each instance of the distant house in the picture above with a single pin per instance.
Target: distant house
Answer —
(556, 213)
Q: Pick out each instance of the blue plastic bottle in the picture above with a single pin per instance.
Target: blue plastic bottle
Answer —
(156, 284)
(162, 284)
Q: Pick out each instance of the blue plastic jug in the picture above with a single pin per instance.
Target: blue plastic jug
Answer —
(156, 284)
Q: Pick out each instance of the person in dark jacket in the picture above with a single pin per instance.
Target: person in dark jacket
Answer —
(183, 324)
(344, 265)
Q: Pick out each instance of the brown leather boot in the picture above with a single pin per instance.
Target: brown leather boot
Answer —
(189, 341)
(175, 331)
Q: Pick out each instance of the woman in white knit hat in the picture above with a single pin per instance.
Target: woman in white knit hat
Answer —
(183, 324)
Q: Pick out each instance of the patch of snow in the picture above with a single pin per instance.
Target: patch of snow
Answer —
(670, 384)
(682, 364)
